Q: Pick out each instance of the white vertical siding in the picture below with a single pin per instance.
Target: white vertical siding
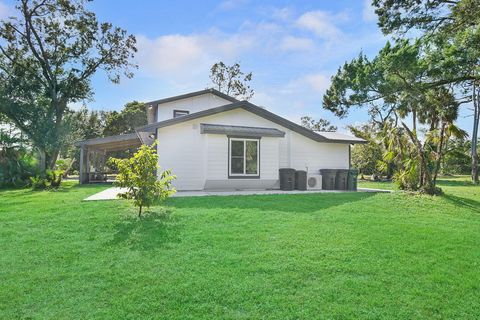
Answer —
(217, 155)
(269, 161)
(310, 155)
(193, 104)
(201, 160)
(181, 149)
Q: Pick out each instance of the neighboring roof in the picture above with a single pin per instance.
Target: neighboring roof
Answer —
(340, 136)
(240, 130)
(193, 94)
(112, 143)
(319, 137)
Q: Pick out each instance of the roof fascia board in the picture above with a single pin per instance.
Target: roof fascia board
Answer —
(110, 139)
(255, 110)
(191, 95)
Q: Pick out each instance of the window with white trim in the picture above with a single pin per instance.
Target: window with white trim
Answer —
(244, 157)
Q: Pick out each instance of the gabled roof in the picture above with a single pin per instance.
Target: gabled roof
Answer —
(319, 137)
(193, 94)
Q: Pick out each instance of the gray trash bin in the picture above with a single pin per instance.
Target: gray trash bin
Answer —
(352, 179)
(341, 179)
(301, 180)
(328, 178)
(287, 179)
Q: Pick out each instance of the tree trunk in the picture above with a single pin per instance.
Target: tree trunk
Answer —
(140, 211)
(65, 174)
(41, 160)
(59, 105)
(439, 153)
(414, 120)
(428, 184)
(53, 158)
(476, 120)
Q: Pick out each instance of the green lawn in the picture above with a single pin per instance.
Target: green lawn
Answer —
(447, 181)
(319, 256)
(384, 185)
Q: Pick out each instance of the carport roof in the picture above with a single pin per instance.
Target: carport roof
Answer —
(112, 143)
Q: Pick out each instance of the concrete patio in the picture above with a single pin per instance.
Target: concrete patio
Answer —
(111, 193)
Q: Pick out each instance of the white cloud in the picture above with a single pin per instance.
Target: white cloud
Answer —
(181, 58)
(321, 23)
(368, 12)
(317, 82)
(4, 10)
(291, 43)
(282, 13)
(314, 84)
(169, 53)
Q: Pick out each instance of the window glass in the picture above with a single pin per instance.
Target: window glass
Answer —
(237, 148)
(243, 157)
(237, 165)
(251, 157)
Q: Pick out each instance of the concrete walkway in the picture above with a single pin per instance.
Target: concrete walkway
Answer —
(111, 193)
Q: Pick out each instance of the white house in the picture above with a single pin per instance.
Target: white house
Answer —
(212, 141)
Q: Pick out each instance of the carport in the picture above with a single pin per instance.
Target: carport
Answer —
(93, 154)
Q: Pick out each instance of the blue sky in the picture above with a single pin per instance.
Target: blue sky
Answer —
(292, 48)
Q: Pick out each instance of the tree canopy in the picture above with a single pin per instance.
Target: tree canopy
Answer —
(450, 32)
(231, 80)
(317, 125)
(48, 54)
(132, 116)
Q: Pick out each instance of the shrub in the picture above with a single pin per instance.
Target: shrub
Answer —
(139, 175)
(16, 167)
(54, 177)
(407, 178)
(38, 183)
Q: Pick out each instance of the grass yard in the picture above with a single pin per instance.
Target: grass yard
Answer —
(321, 256)
(384, 185)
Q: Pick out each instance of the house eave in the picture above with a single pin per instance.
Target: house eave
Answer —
(255, 110)
(191, 95)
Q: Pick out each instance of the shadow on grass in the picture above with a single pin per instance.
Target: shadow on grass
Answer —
(91, 185)
(156, 229)
(290, 203)
(455, 183)
(463, 202)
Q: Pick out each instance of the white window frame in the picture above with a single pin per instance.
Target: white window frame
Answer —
(244, 140)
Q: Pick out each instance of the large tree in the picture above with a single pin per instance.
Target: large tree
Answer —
(231, 80)
(451, 29)
(48, 55)
(398, 79)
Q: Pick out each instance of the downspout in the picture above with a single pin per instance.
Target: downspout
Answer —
(289, 149)
(349, 156)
